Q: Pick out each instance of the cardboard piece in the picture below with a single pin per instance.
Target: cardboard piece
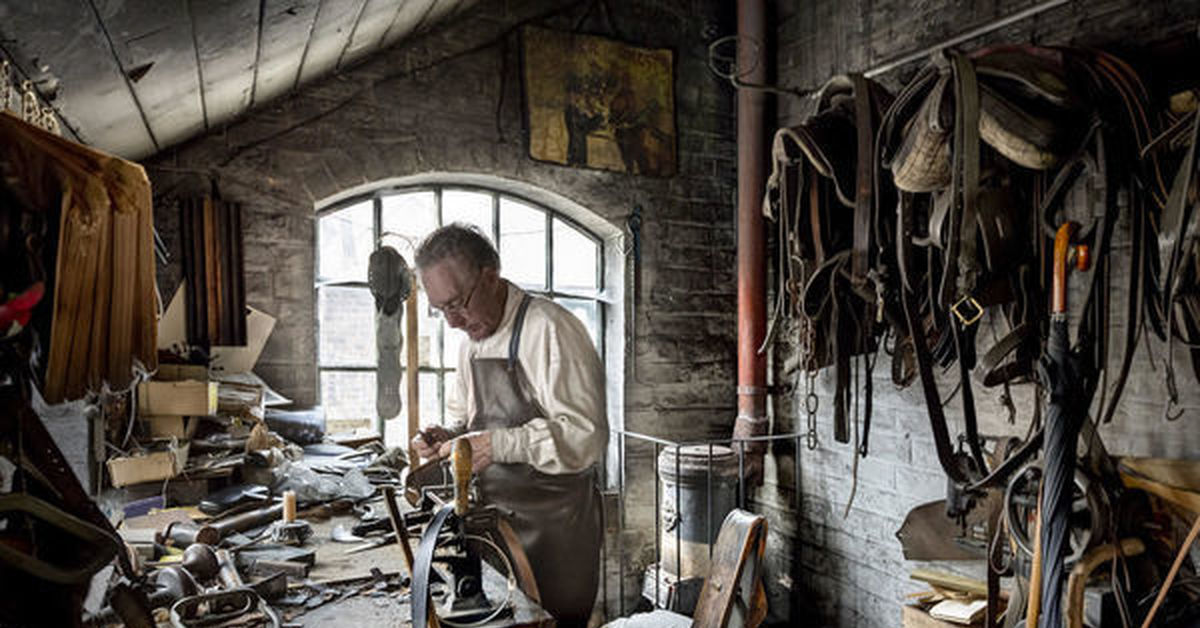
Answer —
(149, 467)
(965, 612)
(183, 398)
(177, 372)
(915, 617)
(180, 427)
(172, 334)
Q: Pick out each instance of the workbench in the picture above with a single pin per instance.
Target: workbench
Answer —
(390, 609)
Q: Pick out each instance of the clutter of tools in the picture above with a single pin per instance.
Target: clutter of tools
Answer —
(979, 206)
(243, 555)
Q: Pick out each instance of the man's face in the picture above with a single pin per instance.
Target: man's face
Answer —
(468, 300)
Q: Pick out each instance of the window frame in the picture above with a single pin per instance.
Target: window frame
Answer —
(376, 197)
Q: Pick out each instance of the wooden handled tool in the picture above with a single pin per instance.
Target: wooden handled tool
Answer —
(461, 468)
(401, 530)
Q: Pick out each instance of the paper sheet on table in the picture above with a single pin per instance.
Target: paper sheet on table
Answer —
(172, 333)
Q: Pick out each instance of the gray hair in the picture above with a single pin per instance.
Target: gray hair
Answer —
(463, 241)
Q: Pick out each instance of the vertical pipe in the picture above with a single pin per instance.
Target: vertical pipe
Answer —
(751, 149)
(678, 517)
(657, 529)
(621, 524)
(708, 537)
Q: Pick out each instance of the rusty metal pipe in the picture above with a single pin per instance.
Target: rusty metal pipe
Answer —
(751, 149)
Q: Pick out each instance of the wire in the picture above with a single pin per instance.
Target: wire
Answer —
(733, 75)
(1162, 592)
(507, 598)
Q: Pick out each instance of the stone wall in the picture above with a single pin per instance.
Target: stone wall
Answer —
(845, 568)
(448, 103)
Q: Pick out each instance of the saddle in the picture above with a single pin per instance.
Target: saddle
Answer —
(821, 194)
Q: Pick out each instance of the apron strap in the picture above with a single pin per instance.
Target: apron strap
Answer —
(514, 343)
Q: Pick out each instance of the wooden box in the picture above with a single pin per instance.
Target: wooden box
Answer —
(182, 398)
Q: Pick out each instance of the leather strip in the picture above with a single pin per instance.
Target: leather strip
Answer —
(996, 373)
(860, 256)
(514, 343)
(423, 565)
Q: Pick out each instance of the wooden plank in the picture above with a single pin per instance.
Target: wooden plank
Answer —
(98, 355)
(123, 295)
(376, 17)
(950, 581)
(411, 371)
(153, 45)
(226, 39)
(147, 289)
(211, 273)
(407, 20)
(329, 37)
(66, 39)
(286, 30)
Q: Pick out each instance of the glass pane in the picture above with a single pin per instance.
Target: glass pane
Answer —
(451, 378)
(427, 333)
(347, 239)
(470, 207)
(412, 215)
(396, 430)
(575, 257)
(348, 398)
(586, 311)
(523, 244)
(347, 322)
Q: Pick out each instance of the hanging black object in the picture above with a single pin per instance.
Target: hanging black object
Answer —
(390, 281)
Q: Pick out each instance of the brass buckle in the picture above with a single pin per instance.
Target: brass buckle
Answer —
(975, 314)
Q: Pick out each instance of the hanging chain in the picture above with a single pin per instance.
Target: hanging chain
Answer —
(6, 87)
(49, 121)
(30, 112)
(811, 402)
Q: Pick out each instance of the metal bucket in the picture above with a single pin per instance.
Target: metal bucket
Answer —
(697, 493)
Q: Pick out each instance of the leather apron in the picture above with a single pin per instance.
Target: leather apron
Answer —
(557, 517)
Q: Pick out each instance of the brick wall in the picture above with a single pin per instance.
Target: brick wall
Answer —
(846, 569)
(449, 101)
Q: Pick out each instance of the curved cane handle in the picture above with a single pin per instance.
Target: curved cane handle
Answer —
(1063, 250)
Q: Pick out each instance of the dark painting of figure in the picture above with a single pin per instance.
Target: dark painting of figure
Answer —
(596, 103)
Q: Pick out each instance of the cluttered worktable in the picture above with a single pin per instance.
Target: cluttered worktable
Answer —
(335, 561)
(369, 588)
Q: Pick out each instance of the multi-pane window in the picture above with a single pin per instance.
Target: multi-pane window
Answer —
(540, 250)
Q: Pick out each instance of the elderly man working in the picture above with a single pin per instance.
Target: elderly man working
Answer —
(531, 398)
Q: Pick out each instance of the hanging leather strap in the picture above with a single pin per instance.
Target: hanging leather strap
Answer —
(864, 128)
(951, 464)
(514, 343)
(424, 564)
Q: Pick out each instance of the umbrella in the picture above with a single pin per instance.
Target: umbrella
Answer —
(1061, 373)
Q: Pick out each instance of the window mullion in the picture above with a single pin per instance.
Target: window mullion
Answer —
(549, 252)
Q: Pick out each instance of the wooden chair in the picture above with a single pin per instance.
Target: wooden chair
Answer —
(733, 595)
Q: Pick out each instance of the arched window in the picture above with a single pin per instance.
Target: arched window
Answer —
(541, 250)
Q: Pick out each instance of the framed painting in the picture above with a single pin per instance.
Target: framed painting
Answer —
(598, 103)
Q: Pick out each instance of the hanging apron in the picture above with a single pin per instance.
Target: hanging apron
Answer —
(557, 517)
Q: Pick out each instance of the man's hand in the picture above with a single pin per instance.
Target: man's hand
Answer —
(428, 441)
(481, 450)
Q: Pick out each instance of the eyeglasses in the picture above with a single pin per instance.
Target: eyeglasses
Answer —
(457, 308)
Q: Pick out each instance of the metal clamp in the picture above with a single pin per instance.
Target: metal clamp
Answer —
(975, 314)
(219, 608)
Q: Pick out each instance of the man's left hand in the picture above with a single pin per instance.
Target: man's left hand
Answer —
(481, 449)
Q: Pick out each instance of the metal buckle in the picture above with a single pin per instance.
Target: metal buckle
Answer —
(967, 319)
